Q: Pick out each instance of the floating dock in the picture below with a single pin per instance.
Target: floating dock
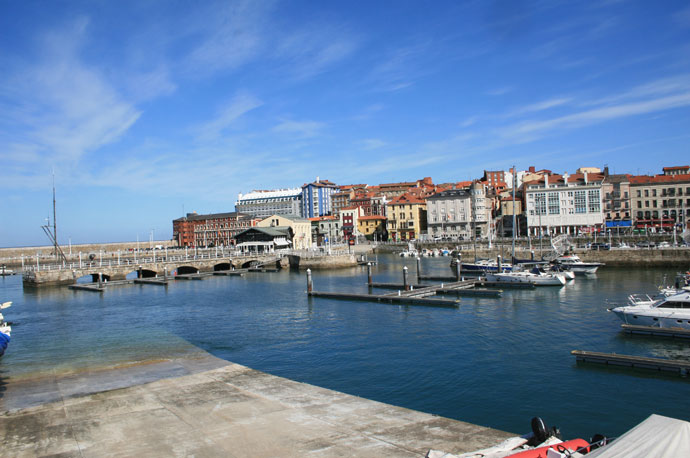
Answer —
(389, 298)
(613, 359)
(674, 333)
(150, 281)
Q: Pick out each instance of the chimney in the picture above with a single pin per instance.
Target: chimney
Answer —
(585, 177)
(317, 179)
(531, 169)
(565, 178)
(546, 181)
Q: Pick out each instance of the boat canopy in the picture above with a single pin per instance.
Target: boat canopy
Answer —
(657, 436)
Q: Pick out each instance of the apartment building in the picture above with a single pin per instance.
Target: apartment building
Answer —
(661, 202)
(564, 204)
(216, 229)
(274, 202)
(316, 198)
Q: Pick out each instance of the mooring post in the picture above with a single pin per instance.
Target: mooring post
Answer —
(310, 285)
(499, 267)
(165, 274)
(140, 273)
(406, 285)
(419, 269)
(369, 281)
(532, 254)
(100, 280)
(458, 267)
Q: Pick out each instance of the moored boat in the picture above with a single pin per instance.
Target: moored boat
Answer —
(535, 276)
(5, 330)
(575, 264)
(668, 312)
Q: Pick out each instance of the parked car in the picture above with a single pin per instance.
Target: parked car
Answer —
(600, 246)
(645, 244)
(663, 245)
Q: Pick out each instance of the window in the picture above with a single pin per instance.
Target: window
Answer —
(580, 202)
(554, 208)
(540, 203)
(639, 193)
(653, 192)
(654, 203)
(646, 192)
(594, 201)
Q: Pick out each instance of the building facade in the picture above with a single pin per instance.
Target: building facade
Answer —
(449, 214)
(565, 204)
(373, 227)
(316, 198)
(617, 202)
(661, 202)
(275, 202)
(406, 217)
(216, 229)
(300, 228)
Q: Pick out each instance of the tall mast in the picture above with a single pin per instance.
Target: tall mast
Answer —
(54, 218)
(514, 185)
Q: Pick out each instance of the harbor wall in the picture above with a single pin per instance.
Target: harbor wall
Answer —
(653, 257)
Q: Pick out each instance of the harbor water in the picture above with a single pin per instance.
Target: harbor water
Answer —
(493, 361)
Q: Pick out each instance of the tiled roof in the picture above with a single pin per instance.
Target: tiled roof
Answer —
(645, 179)
(372, 217)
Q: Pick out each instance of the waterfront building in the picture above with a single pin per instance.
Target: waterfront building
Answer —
(349, 217)
(316, 198)
(661, 202)
(274, 202)
(567, 204)
(508, 207)
(677, 170)
(299, 227)
(406, 217)
(325, 230)
(373, 227)
(258, 240)
(617, 202)
(449, 214)
(215, 229)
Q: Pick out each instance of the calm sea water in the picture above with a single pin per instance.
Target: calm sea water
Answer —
(494, 362)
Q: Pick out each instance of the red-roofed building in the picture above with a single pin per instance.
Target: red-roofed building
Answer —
(661, 202)
(406, 216)
(564, 204)
(373, 227)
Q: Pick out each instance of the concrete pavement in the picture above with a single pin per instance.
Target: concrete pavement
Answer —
(229, 411)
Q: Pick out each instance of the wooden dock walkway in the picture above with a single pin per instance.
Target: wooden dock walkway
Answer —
(389, 298)
(613, 359)
(657, 331)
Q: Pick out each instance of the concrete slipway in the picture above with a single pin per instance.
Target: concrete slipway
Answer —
(206, 407)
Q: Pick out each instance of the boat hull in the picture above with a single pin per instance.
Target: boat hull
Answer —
(519, 277)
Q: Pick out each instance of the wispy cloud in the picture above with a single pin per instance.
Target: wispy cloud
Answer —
(499, 91)
(241, 104)
(402, 66)
(372, 144)
(539, 106)
(528, 130)
(314, 49)
(61, 108)
(300, 129)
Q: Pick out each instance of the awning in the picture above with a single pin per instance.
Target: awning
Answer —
(657, 436)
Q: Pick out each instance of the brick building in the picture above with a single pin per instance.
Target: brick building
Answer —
(216, 229)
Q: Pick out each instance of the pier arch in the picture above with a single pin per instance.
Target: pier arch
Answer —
(183, 270)
(222, 266)
(92, 278)
(252, 263)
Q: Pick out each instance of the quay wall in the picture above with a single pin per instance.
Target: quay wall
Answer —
(653, 257)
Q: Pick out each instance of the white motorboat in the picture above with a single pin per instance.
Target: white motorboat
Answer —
(536, 276)
(5, 330)
(575, 264)
(668, 312)
(562, 270)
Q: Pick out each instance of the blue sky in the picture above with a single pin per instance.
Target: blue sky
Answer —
(146, 109)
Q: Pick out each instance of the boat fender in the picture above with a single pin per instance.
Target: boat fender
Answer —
(598, 440)
(540, 430)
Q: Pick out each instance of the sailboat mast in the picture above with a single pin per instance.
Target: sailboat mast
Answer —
(54, 219)
(514, 185)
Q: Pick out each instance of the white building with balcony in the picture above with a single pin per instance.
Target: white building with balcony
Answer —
(567, 204)
(275, 202)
